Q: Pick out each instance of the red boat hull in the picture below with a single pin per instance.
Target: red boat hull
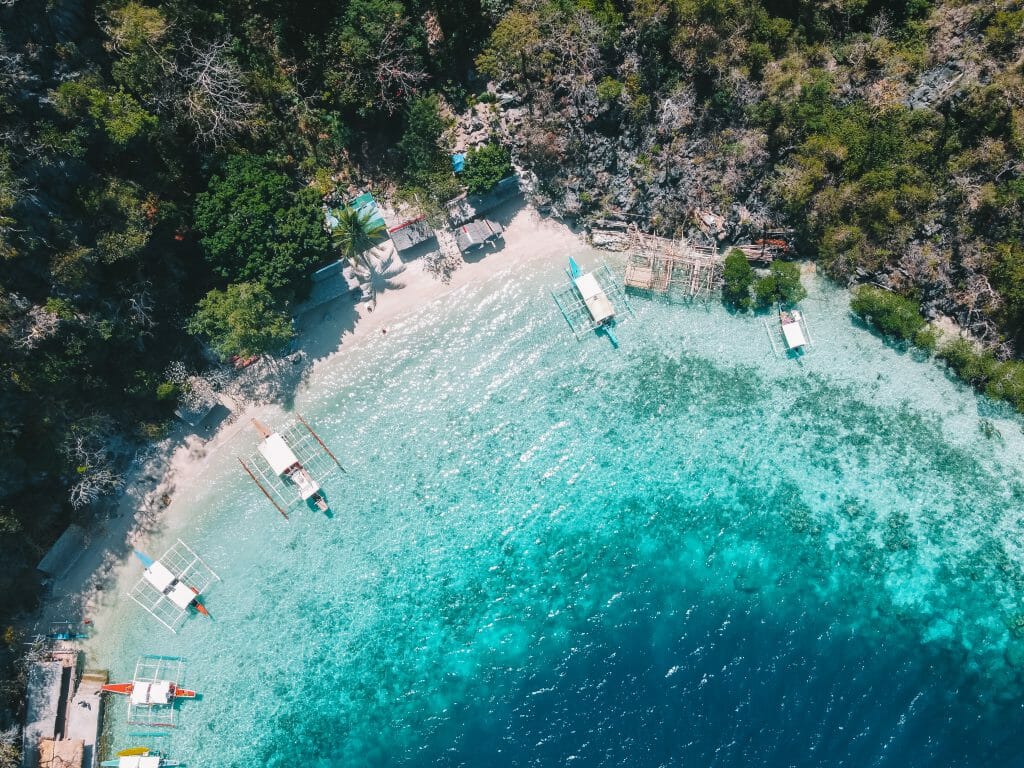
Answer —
(125, 689)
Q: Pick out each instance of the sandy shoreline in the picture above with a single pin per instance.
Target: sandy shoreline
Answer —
(324, 334)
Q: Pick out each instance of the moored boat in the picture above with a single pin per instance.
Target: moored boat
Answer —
(157, 692)
(139, 757)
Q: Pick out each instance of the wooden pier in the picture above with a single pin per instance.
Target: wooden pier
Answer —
(660, 265)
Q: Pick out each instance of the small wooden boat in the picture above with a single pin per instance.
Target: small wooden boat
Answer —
(793, 330)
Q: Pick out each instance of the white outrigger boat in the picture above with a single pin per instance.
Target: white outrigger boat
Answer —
(139, 757)
(591, 300)
(286, 464)
(792, 332)
(154, 691)
(173, 584)
(297, 459)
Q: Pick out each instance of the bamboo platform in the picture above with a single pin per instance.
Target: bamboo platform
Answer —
(660, 265)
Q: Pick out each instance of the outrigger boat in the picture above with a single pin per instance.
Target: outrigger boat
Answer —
(592, 301)
(154, 692)
(285, 464)
(601, 310)
(65, 631)
(298, 461)
(144, 694)
(179, 593)
(139, 757)
(171, 586)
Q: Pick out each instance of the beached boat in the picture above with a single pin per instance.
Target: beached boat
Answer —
(792, 330)
(297, 460)
(65, 631)
(172, 586)
(139, 757)
(791, 336)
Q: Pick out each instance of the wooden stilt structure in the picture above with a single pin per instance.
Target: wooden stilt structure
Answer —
(661, 265)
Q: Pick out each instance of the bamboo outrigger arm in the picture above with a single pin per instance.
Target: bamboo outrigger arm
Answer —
(265, 491)
(322, 444)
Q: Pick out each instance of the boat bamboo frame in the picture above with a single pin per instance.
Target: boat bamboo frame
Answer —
(312, 453)
(575, 311)
(151, 669)
(189, 569)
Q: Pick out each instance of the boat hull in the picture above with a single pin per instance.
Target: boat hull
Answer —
(125, 689)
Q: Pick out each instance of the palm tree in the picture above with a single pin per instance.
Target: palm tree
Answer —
(355, 234)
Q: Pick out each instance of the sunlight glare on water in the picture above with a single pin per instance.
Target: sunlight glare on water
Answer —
(686, 551)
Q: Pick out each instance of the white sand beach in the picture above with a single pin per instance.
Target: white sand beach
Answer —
(324, 333)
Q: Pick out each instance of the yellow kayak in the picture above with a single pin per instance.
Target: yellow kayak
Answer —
(133, 751)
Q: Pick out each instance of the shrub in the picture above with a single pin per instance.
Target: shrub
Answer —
(485, 167)
(420, 143)
(782, 285)
(968, 363)
(609, 90)
(738, 278)
(1007, 383)
(891, 313)
(167, 390)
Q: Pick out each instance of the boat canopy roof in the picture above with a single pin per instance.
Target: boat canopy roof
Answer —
(139, 761)
(793, 334)
(159, 576)
(181, 595)
(594, 297)
(277, 453)
(158, 692)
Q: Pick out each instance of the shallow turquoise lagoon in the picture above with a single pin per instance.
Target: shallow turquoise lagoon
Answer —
(686, 551)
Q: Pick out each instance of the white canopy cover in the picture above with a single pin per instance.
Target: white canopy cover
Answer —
(594, 297)
(277, 453)
(793, 334)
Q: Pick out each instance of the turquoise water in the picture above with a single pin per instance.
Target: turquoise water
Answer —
(683, 552)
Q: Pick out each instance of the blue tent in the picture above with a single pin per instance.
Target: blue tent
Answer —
(458, 162)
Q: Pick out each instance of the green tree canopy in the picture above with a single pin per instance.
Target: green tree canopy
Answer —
(355, 233)
(420, 143)
(891, 313)
(257, 227)
(738, 277)
(485, 167)
(782, 285)
(242, 320)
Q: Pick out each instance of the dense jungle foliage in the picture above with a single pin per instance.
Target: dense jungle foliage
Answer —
(163, 164)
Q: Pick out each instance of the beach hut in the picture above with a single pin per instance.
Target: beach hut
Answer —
(409, 234)
(298, 462)
(172, 586)
(475, 234)
(466, 207)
